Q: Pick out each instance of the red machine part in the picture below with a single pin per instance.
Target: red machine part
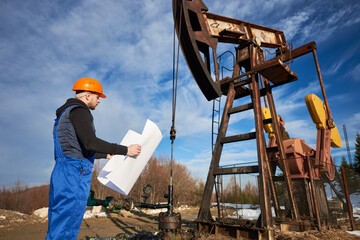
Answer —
(297, 152)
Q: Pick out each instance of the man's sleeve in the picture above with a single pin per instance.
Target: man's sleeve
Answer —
(100, 155)
(81, 120)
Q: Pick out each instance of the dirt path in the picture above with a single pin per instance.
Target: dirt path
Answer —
(17, 226)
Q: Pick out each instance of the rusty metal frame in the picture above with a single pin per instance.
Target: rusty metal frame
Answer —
(194, 39)
(266, 219)
(198, 31)
(313, 193)
(204, 212)
(347, 197)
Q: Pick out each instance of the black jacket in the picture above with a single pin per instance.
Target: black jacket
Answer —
(81, 119)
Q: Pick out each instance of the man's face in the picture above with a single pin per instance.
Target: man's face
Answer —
(94, 100)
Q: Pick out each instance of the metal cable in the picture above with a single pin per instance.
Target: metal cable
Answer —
(174, 96)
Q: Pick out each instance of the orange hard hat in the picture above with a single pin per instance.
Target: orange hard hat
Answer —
(88, 84)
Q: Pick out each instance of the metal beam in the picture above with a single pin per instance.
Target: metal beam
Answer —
(236, 170)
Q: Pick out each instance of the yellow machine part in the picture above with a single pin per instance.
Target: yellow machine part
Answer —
(267, 127)
(335, 138)
(317, 112)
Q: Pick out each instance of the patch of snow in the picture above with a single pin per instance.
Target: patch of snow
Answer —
(355, 199)
(19, 213)
(356, 212)
(154, 211)
(42, 212)
(94, 211)
(356, 233)
(136, 210)
(239, 205)
(249, 213)
(183, 207)
(92, 215)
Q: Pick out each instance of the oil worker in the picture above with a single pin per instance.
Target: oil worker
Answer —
(76, 146)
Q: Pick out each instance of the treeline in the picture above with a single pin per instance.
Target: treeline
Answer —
(187, 189)
(353, 165)
(21, 198)
(234, 193)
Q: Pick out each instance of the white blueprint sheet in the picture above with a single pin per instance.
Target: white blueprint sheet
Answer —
(121, 172)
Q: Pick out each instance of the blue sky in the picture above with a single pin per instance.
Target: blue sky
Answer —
(46, 46)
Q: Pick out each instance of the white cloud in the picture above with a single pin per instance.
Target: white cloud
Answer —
(353, 123)
(355, 73)
(342, 60)
(342, 153)
(248, 10)
(53, 45)
(127, 45)
(293, 25)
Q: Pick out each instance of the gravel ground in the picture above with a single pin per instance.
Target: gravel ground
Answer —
(18, 226)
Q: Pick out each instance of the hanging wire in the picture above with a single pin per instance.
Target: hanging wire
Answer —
(174, 95)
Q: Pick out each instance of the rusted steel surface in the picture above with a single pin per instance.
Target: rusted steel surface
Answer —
(236, 170)
(241, 108)
(239, 231)
(313, 192)
(330, 121)
(297, 151)
(239, 85)
(297, 52)
(276, 72)
(239, 137)
(194, 38)
(266, 215)
(270, 169)
(323, 159)
(230, 30)
(204, 211)
(281, 149)
(198, 31)
(347, 197)
(169, 222)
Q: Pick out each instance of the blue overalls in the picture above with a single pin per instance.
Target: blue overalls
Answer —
(69, 190)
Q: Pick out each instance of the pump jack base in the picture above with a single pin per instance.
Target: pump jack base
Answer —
(247, 230)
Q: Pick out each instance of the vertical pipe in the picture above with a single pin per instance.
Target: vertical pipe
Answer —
(216, 66)
(262, 85)
(313, 192)
(212, 127)
(266, 215)
(221, 195)
(272, 187)
(330, 122)
(217, 195)
(348, 203)
(278, 137)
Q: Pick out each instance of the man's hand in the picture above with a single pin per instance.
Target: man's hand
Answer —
(134, 150)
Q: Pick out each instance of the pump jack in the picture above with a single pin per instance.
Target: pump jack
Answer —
(199, 32)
